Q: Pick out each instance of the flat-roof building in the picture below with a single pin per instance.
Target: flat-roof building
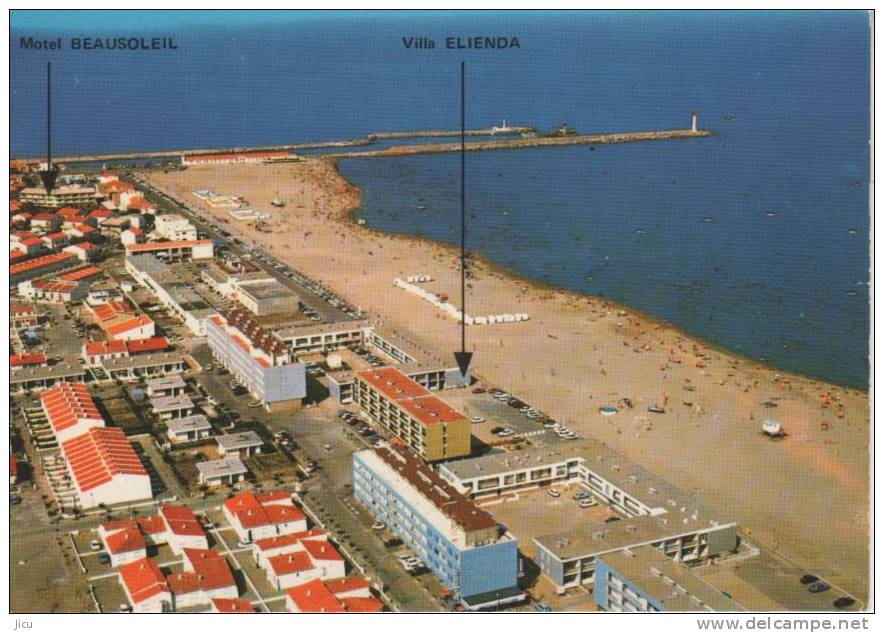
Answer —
(176, 295)
(174, 227)
(165, 386)
(643, 580)
(221, 472)
(38, 377)
(242, 445)
(657, 513)
(134, 367)
(174, 250)
(460, 543)
(170, 407)
(188, 429)
(428, 425)
(72, 195)
(265, 297)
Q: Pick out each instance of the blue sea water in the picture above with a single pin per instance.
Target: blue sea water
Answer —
(622, 221)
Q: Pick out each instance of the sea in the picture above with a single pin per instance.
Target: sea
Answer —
(755, 239)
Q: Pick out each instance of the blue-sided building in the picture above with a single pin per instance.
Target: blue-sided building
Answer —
(464, 546)
(644, 580)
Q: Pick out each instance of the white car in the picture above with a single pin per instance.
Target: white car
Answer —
(477, 419)
(588, 503)
(506, 433)
(552, 492)
(95, 545)
(378, 525)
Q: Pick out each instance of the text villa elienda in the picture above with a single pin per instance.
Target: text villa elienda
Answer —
(497, 42)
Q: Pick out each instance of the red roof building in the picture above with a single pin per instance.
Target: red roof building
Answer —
(145, 586)
(111, 309)
(206, 576)
(254, 520)
(331, 597)
(105, 468)
(40, 266)
(134, 328)
(70, 410)
(238, 157)
(82, 274)
(37, 359)
(145, 345)
(232, 605)
(184, 530)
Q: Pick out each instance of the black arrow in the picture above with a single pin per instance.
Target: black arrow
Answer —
(50, 174)
(463, 357)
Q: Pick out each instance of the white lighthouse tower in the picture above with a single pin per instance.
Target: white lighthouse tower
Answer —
(694, 121)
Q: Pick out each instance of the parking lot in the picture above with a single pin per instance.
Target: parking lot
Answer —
(495, 414)
(769, 582)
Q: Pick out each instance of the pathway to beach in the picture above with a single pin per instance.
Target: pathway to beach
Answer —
(806, 496)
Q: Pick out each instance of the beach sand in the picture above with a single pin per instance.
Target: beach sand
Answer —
(806, 496)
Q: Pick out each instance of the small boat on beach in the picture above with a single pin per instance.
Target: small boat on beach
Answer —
(607, 410)
(656, 408)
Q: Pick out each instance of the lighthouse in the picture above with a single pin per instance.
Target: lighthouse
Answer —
(694, 121)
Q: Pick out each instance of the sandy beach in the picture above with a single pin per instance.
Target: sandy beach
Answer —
(806, 497)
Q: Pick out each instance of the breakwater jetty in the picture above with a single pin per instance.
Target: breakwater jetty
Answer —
(526, 142)
(290, 147)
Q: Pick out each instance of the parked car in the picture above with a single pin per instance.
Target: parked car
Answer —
(95, 545)
(477, 419)
(542, 607)
(807, 579)
(581, 494)
(506, 433)
(843, 602)
(552, 492)
(819, 587)
(588, 503)
(378, 525)
(104, 558)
